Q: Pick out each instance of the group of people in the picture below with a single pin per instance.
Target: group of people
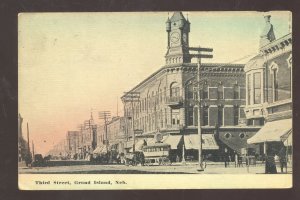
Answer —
(270, 163)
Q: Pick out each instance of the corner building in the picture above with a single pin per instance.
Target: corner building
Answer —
(167, 102)
(269, 93)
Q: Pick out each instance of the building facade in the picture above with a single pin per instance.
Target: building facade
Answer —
(269, 91)
(167, 100)
(74, 143)
(116, 133)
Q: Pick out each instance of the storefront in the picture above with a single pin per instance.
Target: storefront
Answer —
(209, 146)
(277, 139)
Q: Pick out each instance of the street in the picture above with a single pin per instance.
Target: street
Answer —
(176, 168)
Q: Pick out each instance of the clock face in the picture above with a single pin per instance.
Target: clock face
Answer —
(175, 37)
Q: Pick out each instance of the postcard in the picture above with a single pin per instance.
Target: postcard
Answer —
(155, 100)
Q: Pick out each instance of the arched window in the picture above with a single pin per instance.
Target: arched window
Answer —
(174, 90)
(274, 73)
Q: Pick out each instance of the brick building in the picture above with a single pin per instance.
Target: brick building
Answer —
(116, 133)
(167, 101)
(269, 91)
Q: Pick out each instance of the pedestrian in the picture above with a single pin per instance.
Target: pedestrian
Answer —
(236, 159)
(270, 162)
(226, 157)
(282, 159)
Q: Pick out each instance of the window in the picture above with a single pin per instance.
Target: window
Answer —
(205, 91)
(175, 117)
(228, 135)
(242, 135)
(220, 91)
(190, 116)
(290, 66)
(236, 91)
(249, 85)
(190, 92)
(275, 83)
(220, 115)
(235, 115)
(166, 119)
(174, 91)
(205, 115)
(274, 74)
(160, 95)
(257, 87)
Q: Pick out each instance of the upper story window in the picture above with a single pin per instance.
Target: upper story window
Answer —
(160, 95)
(290, 66)
(236, 115)
(175, 117)
(220, 91)
(274, 74)
(190, 92)
(257, 87)
(175, 90)
(236, 91)
(220, 115)
(205, 115)
(249, 86)
(205, 91)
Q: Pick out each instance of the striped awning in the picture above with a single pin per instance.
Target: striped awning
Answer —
(208, 142)
(272, 131)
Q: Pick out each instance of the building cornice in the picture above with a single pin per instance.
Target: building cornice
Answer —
(207, 69)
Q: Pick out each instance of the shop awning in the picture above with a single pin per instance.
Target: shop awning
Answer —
(172, 140)
(287, 139)
(272, 131)
(138, 145)
(100, 149)
(208, 142)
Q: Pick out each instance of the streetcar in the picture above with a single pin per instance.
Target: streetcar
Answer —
(157, 154)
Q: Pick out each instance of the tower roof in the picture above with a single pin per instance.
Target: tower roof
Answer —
(177, 16)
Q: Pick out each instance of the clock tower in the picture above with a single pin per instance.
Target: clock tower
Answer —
(178, 29)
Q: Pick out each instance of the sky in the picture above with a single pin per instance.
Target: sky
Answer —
(72, 64)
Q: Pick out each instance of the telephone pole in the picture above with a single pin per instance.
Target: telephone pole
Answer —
(131, 97)
(28, 139)
(105, 115)
(32, 149)
(199, 55)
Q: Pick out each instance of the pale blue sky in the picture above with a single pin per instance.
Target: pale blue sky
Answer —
(72, 62)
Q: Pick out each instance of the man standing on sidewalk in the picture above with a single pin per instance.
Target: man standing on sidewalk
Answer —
(226, 157)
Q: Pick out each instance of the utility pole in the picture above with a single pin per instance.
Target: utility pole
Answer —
(132, 97)
(105, 115)
(32, 149)
(199, 55)
(28, 139)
